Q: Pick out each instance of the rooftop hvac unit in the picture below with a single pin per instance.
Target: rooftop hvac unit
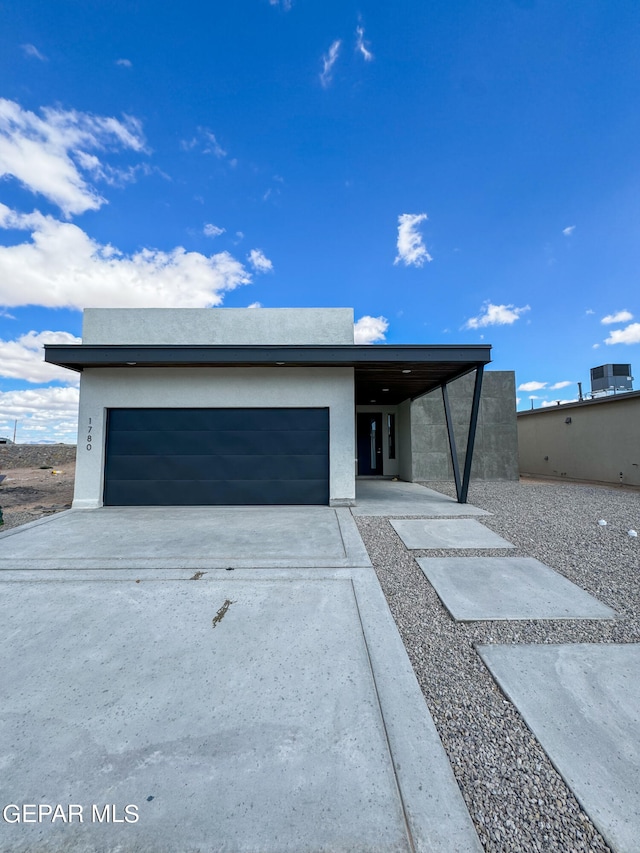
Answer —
(611, 377)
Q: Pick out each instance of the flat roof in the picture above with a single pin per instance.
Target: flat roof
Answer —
(573, 404)
(406, 371)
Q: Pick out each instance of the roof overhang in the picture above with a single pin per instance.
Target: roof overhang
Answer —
(383, 373)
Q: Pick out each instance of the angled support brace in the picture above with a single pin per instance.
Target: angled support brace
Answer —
(452, 440)
(471, 440)
(462, 483)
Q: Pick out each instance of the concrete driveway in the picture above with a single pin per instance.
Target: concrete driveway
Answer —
(211, 680)
(186, 537)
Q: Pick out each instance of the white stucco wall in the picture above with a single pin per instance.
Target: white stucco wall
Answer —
(137, 387)
(201, 326)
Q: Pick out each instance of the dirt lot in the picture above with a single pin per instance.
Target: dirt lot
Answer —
(30, 493)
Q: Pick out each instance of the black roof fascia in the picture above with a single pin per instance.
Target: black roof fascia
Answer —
(382, 374)
(78, 356)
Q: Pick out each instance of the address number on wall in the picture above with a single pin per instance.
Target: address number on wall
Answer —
(89, 436)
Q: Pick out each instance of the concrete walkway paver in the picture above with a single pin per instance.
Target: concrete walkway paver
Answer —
(582, 702)
(488, 588)
(446, 533)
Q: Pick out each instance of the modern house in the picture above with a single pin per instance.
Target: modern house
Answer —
(272, 406)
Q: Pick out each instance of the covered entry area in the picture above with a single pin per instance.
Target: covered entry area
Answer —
(384, 392)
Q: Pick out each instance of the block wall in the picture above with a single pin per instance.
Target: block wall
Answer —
(496, 446)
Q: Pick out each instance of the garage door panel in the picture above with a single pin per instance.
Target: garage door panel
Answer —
(215, 492)
(220, 442)
(186, 420)
(173, 457)
(230, 467)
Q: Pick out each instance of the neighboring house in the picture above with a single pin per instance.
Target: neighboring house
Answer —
(270, 406)
(4, 440)
(596, 439)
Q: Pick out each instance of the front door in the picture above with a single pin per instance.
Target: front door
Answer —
(369, 431)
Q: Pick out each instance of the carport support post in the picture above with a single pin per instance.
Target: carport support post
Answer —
(452, 440)
(473, 423)
(462, 485)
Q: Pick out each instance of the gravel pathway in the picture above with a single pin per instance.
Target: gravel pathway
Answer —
(516, 798)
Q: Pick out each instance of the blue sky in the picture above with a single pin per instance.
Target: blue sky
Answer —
(456, 171)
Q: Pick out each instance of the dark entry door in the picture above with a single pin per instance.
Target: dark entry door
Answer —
(369, 432)
(199, 457)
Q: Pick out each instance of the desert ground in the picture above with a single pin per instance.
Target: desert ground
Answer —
(27, 494)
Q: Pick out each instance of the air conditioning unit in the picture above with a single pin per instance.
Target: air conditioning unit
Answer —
(611, 377)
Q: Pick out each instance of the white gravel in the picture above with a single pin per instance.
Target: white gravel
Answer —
(516, 798)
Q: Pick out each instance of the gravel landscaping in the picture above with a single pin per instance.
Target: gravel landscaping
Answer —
(516, 798)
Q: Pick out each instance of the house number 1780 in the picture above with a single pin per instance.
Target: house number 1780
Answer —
(89, 436)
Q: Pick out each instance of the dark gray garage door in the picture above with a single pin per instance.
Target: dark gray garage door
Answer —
(196, 457)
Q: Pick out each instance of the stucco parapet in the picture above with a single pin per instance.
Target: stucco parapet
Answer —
(202, 326)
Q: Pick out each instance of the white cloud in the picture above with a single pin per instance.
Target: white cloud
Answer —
(259, 261)
(589, 311)
(368, 329)
(568, 231)
(532, 386)
(53, 411)
(48, 154)
(411, 249)
(63, 267)
(557, 385)
(496, 315)
(595, 346)
(212, 146)
(284, 4)
(125, 63)
(629, 335)
(360, 45)
(211, 230)
(205, 142)
(115, 177)
(32, 51)
(329, 59)
(255, 305)
(619, 317)
(24, 358)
